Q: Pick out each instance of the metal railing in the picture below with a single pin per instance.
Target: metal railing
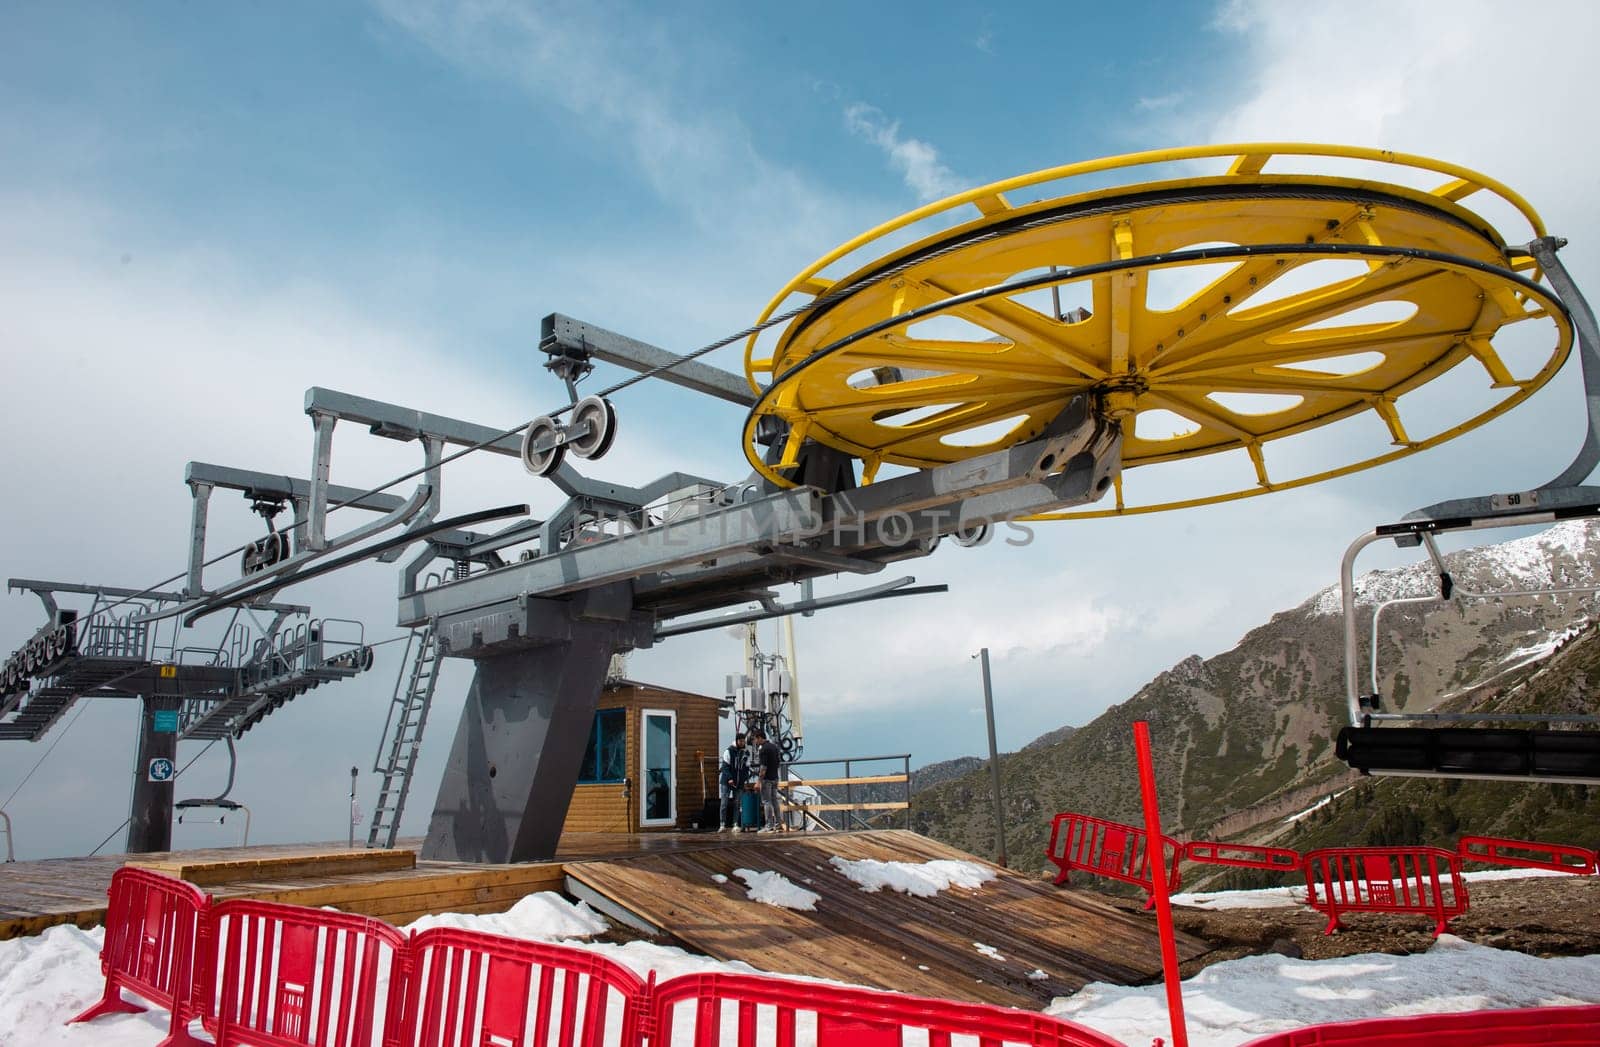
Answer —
(850, 807)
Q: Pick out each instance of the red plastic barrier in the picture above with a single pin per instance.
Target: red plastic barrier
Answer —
(152, 925)
(692, 1009)
(1557, 856)
(1529, 1027)
(292, 977)
(1386, 879)
(1243, 855)
(567, 997)
(1110, 849)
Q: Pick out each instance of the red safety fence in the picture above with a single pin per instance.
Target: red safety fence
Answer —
(464, 987)
(1110, 849)
(738, 1010)
(1386, 879)
(289, 976)
(1526, 854)
(152, 927)
(1529, 1027)
(1243, 855)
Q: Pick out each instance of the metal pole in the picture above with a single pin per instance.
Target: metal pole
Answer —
(905, 768)
(1155, 844)
(150, 807)
(994, 761)
(352, 818)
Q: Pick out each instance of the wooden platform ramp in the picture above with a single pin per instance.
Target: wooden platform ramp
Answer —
(927, 946)
(393, 885)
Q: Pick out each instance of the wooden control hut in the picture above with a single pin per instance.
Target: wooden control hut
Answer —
(650, 764)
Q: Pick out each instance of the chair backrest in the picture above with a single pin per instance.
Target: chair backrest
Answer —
(529, 992)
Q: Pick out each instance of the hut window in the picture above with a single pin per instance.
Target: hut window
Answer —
(606, 758)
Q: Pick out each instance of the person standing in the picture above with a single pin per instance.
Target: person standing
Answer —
(768, 759)
(732, 773)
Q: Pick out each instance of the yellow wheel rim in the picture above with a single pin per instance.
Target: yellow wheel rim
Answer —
(1220, 313)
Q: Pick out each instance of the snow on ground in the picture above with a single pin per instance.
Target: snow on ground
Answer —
(989, 951)
(1265, 898)
(924, 879)
(773, 888)
(46, 979)
(542, 917)
(1234, 1002)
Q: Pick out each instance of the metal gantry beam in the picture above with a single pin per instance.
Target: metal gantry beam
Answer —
(564, 332)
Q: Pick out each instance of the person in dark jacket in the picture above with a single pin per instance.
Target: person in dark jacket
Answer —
(768, 759)
(732, 773)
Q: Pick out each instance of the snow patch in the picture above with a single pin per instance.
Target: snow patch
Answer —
(1295, 897)
(989, 951)
(773, 888)
(1236, 1001)
(542, 917)
(1264, 898)
(924, 879)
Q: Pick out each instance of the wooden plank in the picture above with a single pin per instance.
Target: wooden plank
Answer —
(902, 805)
(875, 779)
(893, 941)
(205, 872)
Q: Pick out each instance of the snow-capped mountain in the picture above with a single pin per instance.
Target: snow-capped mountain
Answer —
(1247, 735)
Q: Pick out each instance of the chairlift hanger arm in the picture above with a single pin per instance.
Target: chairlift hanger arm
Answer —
(1564, 489)
(268, 485)
(224, 601)
(228, 594)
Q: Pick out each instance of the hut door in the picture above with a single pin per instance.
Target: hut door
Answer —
(658, 767)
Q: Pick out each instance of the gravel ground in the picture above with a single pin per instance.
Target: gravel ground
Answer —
(1547, 916)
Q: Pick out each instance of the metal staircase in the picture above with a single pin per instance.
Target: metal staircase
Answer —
(402, 733)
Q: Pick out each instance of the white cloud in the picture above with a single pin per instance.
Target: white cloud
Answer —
(1166, 101)
(915, 160)
(622, 75)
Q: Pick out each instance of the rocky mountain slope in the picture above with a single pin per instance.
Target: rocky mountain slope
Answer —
(1246, 735)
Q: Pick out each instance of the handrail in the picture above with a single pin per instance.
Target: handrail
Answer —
(850, 806)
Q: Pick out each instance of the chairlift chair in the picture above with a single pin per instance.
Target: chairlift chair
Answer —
(1554, 747)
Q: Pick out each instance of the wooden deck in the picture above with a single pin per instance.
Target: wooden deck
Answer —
(927, 946)
(391, 885)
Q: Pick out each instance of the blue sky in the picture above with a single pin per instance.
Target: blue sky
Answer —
(206, 209)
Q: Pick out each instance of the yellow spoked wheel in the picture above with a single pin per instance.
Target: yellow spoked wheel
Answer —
(1207, 314)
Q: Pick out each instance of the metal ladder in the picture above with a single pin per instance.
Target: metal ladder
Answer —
(402, 733)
